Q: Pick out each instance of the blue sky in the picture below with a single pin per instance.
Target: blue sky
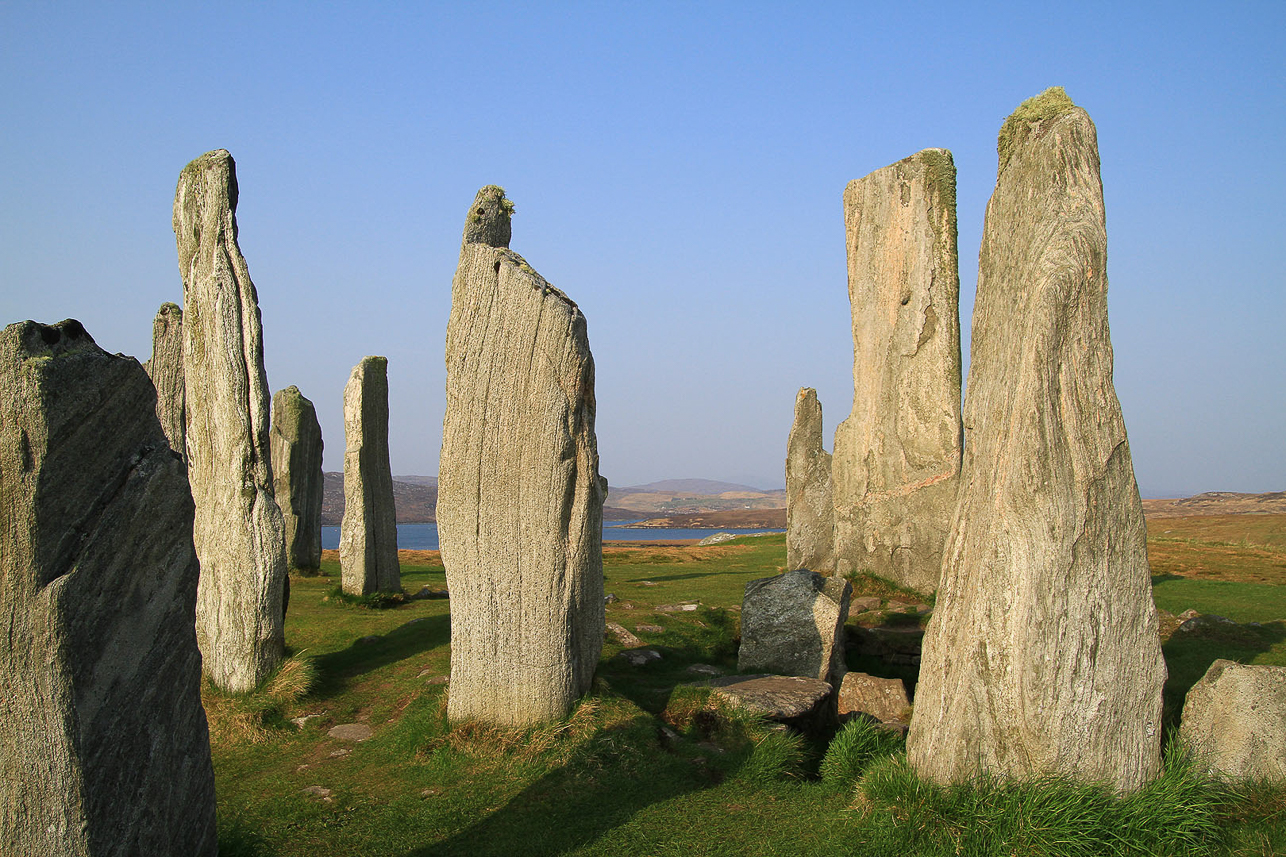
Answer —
(678, 171)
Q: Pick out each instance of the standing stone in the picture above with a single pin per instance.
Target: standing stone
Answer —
(793, 624)
(1043, 656)
(1234, 720)
(103, 741)
(240, 538)
(296, 444)
(897, 456)
(166, 371)
(810, 518)
(368, 532)
(520, 501)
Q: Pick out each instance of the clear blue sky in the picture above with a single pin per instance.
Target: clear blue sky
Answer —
(678, 171)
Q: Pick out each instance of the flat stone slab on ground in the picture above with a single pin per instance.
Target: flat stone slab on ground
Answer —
(351, 732)
(883, 698)
(676, 608)
(639, 657)
(777, 697)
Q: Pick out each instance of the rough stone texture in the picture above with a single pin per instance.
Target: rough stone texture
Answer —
(883, 698)
(296, 443)
(103, 742)
(810, 515)
(897, 456)
(368, 533)
(240, 538)
(794, 624)
(519, 496)
(1234, 719)
(1043, 655)
(166, 370)
(794, 700)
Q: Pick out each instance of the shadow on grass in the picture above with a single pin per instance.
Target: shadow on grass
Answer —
(405, 641)
(599, 789)
(1162, 578)
(1189, 654)
(688, 576)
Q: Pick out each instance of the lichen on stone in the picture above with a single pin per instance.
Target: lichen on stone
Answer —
(1051, 103)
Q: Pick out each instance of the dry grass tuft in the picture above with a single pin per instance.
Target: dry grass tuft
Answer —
(294, 679)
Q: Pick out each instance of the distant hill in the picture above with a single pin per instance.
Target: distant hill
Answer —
(1218, 503)
(686, 486)
(431, 481)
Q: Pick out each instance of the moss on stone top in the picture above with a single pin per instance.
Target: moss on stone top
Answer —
(1050, 104)
(940, 174)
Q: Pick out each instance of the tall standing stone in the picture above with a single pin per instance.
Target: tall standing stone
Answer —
(239, 534)
(810, 517)
(897, 456)
(520, 501)
(103, 741)
(296, 444)
(368, 532)
(166, 371)
(1043, 657)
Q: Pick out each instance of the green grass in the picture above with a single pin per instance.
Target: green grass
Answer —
(645, 765)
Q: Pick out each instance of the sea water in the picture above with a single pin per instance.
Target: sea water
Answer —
(424, 537)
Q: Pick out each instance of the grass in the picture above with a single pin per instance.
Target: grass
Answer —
(646, 764)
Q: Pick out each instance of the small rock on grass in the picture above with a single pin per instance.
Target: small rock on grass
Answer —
(639, 657)
(300, 722)
(862, 605)
(319, 791)
(624, 637)
(434, 679)
(677, 608)
(351, 732)
(649, 629)
(708, 670)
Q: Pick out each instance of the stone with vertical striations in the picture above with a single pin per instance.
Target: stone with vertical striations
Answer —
(166, 371)
(239, 534)
(296, 443)
(1043, 656)
(368, 532)
(810, 517)
(103, 742)
(897, 456)
(519, 495)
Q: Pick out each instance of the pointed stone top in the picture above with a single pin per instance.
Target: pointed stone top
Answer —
(1033, 114)
(168, 308)
(488, 220)
(207, 189)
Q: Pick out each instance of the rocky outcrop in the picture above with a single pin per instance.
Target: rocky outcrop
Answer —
(296, 443)
(810, 517)
(519, 495)
(1043, 657)
(105, 748)
(897, 456)
(1234, 720)
(240, 538)
(368, 533)
(793, 624)
(166, 370)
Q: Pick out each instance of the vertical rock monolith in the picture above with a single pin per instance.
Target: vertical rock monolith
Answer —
(239, 535)
(1043, 657)
(810, 517)
(897, 456)
(166, 370)
(296, 444)
(103, 741)
(520, 501)
(368, 531)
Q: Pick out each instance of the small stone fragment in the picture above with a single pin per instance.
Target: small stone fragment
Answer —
(649, 629)
(793, 624)
(319, 791)
(865, 603)
(639, 657)
(1234, 720)
(883, 698)
(708, 670)
(676, 608)
(368, 532)
(351, 732)
(717, 538)
(624, 637)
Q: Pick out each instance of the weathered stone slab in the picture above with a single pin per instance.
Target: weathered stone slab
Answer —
(519, 496)
(166, 371)
(1043, 657)
(897, 456)
(298, 483)
(884, 699)
(103, 741)
(793, 624)
(368, 531)
(239, 534)
(810, 514)
(1234, 720)
(794, 700)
